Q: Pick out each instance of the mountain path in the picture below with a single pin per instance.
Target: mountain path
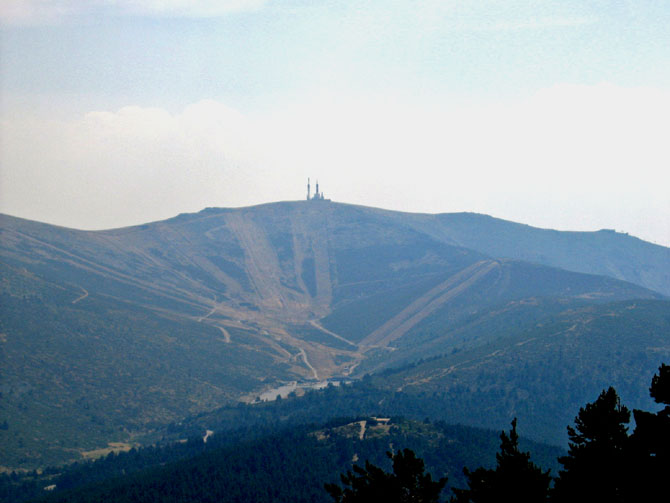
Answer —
(320, 327)
(225, 333)
(309, 365)
(81, 297)
(210, 313)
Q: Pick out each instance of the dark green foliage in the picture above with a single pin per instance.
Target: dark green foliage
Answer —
(601, 423)
(603, 464)
(408, 482)
(650, 442)
(108, 335)
(595, 467)
(544, 372)
(250, 460)
(515, 477)
(287, 465)
(271, 470)
(660, 386)
(76, 376)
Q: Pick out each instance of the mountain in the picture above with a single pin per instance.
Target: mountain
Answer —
(260, 466)
(106, 336)
(540, 373)
(605, 252)
(543, 373)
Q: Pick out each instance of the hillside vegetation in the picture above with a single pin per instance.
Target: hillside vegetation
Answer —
(108, 336)
(249, 465)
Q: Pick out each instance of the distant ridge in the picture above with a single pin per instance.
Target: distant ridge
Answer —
(604, 252)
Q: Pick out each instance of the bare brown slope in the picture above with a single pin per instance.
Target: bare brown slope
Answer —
(239, 270)
(429, 303)
(270, 271)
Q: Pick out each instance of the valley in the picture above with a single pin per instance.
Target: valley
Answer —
(111, 336)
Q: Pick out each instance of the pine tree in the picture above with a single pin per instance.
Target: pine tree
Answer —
(595, 467)
(408, 482)
(650, 441)
(515, 477)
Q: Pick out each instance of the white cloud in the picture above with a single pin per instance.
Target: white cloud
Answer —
(26, 12)
(37, 11)
(107, 169)
(375, 15)
(186, 8)
(532, 23)
(570, 157)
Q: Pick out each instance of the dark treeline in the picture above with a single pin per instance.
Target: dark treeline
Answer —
(288, 465)
(22, 486)
(604, 463)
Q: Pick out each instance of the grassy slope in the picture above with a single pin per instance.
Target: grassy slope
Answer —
(76, 376)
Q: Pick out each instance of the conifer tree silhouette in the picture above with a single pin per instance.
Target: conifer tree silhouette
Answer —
(650, 443)
(515, 477)
(595, 467)
(408, 482)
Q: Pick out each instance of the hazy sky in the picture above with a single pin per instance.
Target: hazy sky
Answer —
(551, 113)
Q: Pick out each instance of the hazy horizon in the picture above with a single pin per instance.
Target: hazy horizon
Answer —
(93, 229)
(551, 114)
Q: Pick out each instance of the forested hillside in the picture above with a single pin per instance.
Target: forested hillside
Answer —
(106, 337)
(604, 459)
(541, 375)
(247, 465)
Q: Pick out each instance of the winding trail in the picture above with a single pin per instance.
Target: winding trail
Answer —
(81, 297)
(309, 365)
(201, 319)
(213, 310)
(320, 327)
(225, 333)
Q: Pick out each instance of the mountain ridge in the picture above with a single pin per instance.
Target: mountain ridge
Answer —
(539, 244)
(241, 301)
